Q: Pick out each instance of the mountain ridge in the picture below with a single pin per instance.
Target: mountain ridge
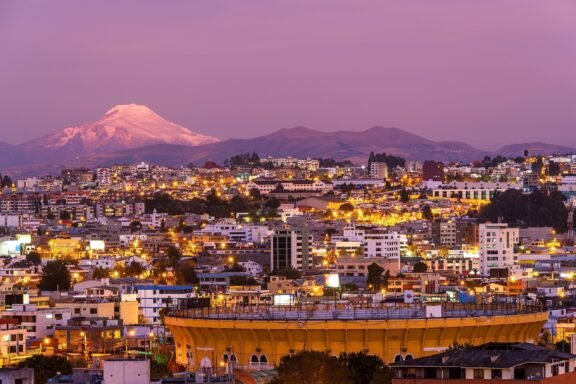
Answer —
(111, 140)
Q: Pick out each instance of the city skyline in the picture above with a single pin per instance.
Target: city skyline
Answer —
(492, 70)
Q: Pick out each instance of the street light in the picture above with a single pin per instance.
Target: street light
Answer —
(152, 335)
(83, 334)
(130, 333)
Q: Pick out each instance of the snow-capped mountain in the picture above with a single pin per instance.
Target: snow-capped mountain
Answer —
(122, 127)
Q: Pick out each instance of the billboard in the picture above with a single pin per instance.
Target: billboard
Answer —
(283, 299)
(332, 280)
(409, 296)
(97, 245)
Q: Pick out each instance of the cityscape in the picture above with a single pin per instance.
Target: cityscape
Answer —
(134, 249)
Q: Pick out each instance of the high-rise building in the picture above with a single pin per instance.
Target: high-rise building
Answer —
(454, 232)
(497, 246)
(103, 176)
(291, 249)
(378, 170)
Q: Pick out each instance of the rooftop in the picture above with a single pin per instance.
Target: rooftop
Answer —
(348, 311)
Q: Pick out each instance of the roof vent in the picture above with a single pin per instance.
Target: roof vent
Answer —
(494, 357)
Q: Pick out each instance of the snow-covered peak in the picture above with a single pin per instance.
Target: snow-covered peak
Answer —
(129, 109)
(121, 127)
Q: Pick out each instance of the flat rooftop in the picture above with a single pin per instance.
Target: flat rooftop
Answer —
(324, 311)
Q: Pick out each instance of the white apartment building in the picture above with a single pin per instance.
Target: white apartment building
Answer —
(238, 232)
(291, 162)
(12, 341)
(497, 246)
(472, 190)
(104, 176)
(152, 298)
(378, 170)
(376, 242)
(39, 322)
(267, 186)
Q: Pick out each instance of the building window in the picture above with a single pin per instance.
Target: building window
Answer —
(254, 360)
(263, 360)
(496, 374)
(479, 374)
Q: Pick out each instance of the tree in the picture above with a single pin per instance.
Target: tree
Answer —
(346, 207)
(311, 367)
(289, 273)
(6, 181)
(100, 273)
(34, 258)
(386, 278)
(365, 369)
(134, 269)
(404, 195)
(554, 168)
(186, 274)
(242, 280)
(255, 194)
(420, 267)
(46, 367)
(272, 203)
(173, 256)
(374, 276)
(135, 225)
(159, 370)
(427, 213)
(65, 216)
(540, 208)
(55, 277)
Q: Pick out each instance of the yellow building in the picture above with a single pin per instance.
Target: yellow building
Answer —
(261, 336)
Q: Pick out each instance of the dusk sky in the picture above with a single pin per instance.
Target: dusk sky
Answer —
(487, 72)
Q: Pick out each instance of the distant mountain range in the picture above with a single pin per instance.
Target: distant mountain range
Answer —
(134, 133)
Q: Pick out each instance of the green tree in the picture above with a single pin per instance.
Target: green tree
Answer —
(289, 273)
(186, 274)
(55, 276)
(242, 280)
(159, 370)
(134, 269)
(100, 273)
(366, 369)
(420, 267)
(404, 195)
(427, 213)
(374, 276)
(538, 209)
(346, 207)
(46, 367)
(135, 225)
(173, 256)
(255, 194)
(311, 367)
(34, 258)
(6, 181)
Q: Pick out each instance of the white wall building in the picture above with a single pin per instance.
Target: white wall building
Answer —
(497, 246)
(252, 267)
(39, 322)
(152, 298)
(378, 170)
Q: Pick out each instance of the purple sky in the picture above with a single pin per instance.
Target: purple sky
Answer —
(486, 72)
